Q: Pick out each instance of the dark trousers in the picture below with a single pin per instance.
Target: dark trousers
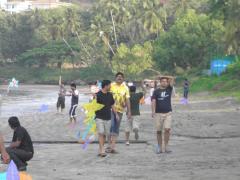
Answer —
(185, 93)
(19, 156)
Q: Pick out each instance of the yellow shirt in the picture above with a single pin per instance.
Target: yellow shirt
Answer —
(120, 95)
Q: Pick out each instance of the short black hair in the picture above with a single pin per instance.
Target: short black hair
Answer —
(132, 89)
(13, 122)
(73, 85)
(161, 78)
(119, 73)
(105, 83)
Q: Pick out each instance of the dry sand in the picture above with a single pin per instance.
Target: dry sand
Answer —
(205, 145)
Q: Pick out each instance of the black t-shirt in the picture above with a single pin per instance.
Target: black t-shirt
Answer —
(107, 100)
(163, 99)
(134, 101)
(21, 134)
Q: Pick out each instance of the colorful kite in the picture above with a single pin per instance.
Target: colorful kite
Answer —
(13, 174)
(184, 101)
(90, 109)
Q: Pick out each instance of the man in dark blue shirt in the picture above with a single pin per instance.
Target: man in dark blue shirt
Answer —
(161, 111)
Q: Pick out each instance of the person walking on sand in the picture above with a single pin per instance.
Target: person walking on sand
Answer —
(21, 148)
(61, 96)
(134, 122)
(161, 112)
(4, 155)
(185, 88)
(74, 93)
(103, 116)
(121, 97)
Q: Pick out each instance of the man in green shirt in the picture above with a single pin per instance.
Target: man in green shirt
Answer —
(133, 123)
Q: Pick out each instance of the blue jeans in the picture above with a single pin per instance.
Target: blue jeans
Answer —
(115, 124)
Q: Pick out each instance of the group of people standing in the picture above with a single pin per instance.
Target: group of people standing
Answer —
(118, 98)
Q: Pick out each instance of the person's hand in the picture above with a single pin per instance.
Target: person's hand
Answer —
(5, 157)
(129, 115)
(117, 117)
(153, 115)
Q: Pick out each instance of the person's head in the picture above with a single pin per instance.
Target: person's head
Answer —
(106, 85)
(164, 82)
(73, 86)
(119, 77)
(132, 89)
(13, 122)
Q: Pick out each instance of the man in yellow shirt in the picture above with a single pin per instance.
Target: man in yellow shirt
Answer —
(121, 97)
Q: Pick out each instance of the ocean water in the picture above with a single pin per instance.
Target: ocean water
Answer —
(29, 99)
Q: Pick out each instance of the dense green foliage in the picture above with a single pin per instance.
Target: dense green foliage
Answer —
(166, 36)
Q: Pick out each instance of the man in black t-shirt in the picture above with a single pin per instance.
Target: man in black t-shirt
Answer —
(21, 148)
(103, 116)
(161, 111)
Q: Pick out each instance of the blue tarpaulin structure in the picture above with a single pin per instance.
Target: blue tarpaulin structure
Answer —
(218, 66)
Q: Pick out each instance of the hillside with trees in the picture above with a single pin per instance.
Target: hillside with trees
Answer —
(140, 38)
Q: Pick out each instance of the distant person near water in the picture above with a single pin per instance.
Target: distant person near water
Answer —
(4, 155)
(103, 116)
(133, 123)
(21, 148)
(161, 112)
(121, 97)
(74, 93)
(61, 96)
(186, 88)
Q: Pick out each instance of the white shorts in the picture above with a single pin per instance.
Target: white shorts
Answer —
(132, 124)
(103, 126)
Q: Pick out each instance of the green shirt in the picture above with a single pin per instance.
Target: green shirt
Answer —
(134, 101)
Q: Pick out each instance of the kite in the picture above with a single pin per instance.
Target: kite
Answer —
(43, 108)
(13, 174)
(90, 109)
(12, 84)
(184, 101)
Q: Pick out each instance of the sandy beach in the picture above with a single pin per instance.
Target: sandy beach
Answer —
(205, 141)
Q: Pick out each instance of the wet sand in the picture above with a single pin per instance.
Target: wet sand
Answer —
(205, 144)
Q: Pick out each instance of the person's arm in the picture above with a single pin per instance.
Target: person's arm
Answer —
(15, 144)
(60, 81)
(3, 152)
(19, 137)
(154, 104)
(115, 112)
(153, 107)
(144, 89)
(173, 91)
